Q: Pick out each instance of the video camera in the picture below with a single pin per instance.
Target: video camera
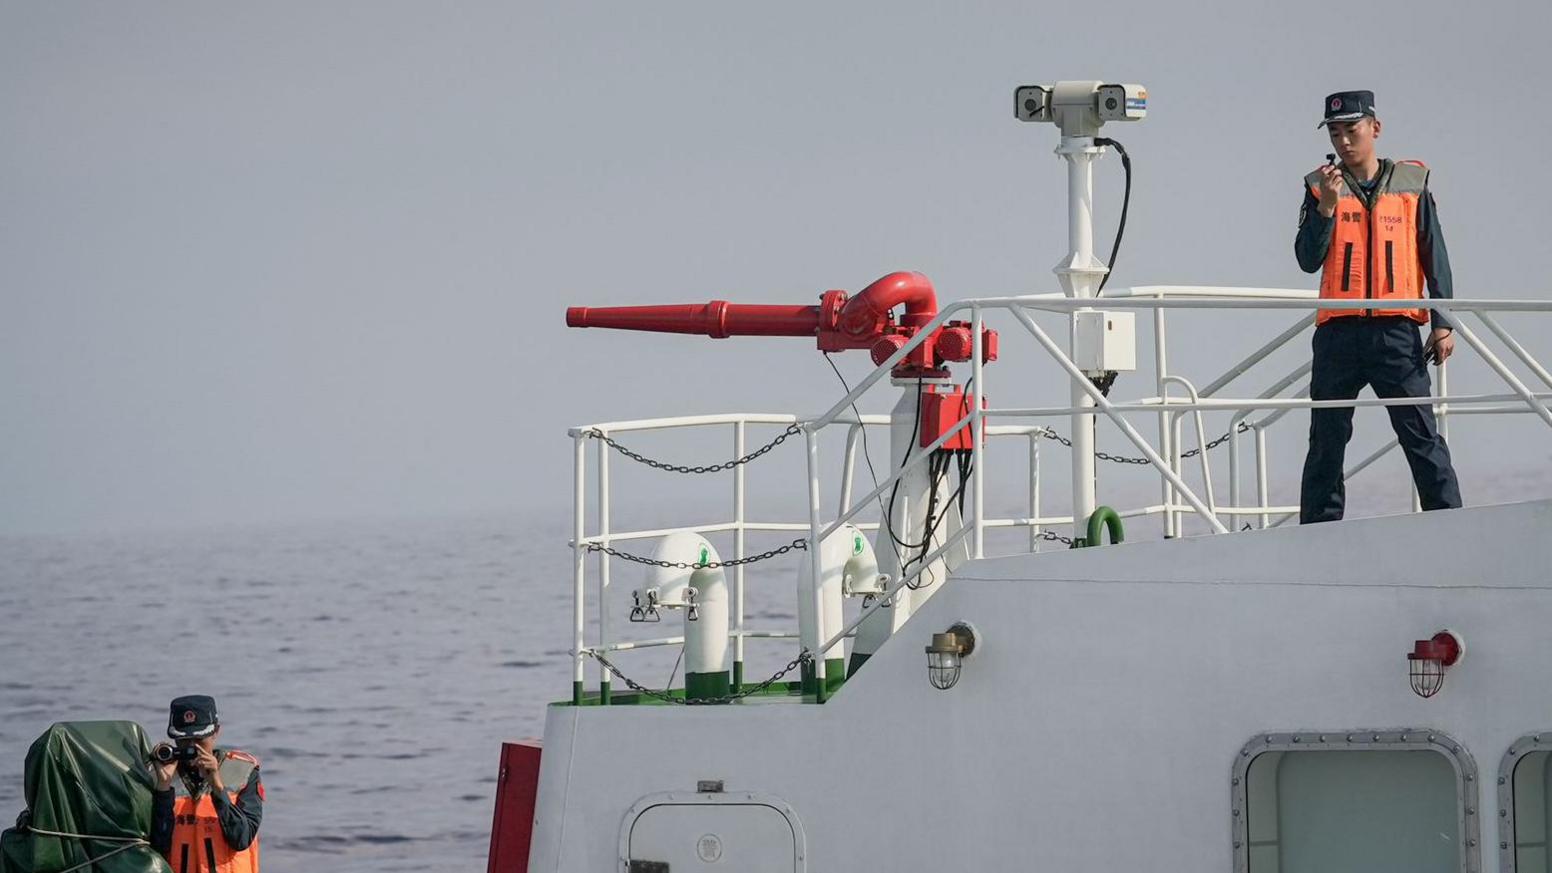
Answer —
(166, 753)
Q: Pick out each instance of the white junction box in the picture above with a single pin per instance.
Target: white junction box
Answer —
(1105, 341)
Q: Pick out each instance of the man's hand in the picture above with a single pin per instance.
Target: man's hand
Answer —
(1330, 189)
(163, 773)
(210, 769)
(1441, 343)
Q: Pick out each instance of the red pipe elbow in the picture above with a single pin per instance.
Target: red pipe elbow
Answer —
(867, 314)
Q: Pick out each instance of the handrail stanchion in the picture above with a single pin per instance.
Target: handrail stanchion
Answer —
(738, 554)
(849, 471)
(579, 569)
(1442, 410)
(1201, 440)
(1161, 369)
(1177, 461)
(1263, 492)
(1234, 466)
(603, 568)
(978, 431)
(1034, 490)
(811, 639)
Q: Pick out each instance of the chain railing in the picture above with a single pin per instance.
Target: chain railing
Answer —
(1051, 434)
(792, 430)
(665, 696)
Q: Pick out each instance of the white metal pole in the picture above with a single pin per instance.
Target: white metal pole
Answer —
(1234, 466)
(738, 554)
(603, 567)
(850, 469)
(1443, 409)
(1263, 492)
(579, 566)
(1080, 274)
(1161, 370)
(1034, 490)
(1201, 440)
(978, 431)
(1177, 461)
(814, 634)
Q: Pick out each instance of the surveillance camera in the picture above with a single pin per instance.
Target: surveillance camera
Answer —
(1080, 109)
(1032, 103)
(1121, 102)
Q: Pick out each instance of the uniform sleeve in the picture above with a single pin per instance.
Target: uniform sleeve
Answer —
(1314, 235)
(1435, 258)
(240, 820)
(161, 822)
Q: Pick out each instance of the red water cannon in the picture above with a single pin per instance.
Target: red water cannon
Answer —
(866, 321)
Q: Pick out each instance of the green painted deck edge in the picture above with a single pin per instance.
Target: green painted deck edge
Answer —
(780, 689)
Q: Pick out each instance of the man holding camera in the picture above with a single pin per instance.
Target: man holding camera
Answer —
(208, 802)
(1370, 226)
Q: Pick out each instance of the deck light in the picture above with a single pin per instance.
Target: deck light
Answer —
(1429, 659)
(946, 654)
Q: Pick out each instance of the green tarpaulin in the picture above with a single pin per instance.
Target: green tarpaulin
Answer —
(88, 778)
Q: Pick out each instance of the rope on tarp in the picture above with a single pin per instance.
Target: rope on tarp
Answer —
(129, 843)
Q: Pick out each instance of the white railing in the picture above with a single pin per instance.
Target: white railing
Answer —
(584, 543)
(1178, 498)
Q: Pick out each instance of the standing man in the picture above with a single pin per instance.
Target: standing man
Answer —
(1370, 225)
(208, 802)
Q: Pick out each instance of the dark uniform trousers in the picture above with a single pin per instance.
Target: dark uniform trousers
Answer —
(1387, 355)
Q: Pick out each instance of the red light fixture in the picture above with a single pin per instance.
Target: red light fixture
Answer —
(1430, 658)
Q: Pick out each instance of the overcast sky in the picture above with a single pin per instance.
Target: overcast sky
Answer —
(292, 261)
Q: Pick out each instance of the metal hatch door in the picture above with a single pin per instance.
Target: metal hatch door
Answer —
(700, 837)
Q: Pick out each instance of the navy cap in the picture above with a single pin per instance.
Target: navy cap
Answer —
(1349, 106)
(193, 716)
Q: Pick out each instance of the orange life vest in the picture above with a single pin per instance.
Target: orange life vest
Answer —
(197, 843)
(1373, 253)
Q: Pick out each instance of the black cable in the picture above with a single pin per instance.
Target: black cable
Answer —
(941, 461)
(867, 455)
(1126, 202)
(937, 469)
(932, 523)
(894, 492)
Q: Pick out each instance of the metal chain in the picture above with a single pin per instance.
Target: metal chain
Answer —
(1051, 434)
(1052, 536)
(799, 545)
(791, 431)
(1242, 427)
(804, 657)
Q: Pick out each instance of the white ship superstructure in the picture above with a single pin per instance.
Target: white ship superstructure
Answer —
(1244, 694)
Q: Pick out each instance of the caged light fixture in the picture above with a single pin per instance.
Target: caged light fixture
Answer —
(947, 653)
(1430, 658)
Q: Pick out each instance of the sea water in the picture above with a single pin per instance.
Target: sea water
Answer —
(374, 668)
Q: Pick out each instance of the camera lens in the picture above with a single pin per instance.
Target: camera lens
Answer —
(164, 754)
